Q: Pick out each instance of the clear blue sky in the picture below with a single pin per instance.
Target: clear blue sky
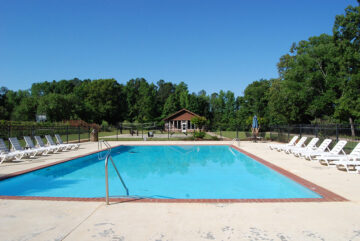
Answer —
(208, 44)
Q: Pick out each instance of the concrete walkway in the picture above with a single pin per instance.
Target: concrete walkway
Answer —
(55, 220)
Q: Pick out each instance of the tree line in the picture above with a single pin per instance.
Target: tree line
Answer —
(319, 81)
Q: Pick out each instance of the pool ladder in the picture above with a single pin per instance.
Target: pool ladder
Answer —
(108, 157)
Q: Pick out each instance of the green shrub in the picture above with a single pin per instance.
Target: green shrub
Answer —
(199, 135)
(105, 125)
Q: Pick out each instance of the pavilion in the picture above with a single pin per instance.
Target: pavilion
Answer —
(180, 121)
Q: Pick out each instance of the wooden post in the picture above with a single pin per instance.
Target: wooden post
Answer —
(168, 129)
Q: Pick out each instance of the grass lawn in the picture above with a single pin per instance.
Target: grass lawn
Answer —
(108, 133)
(185, 138)
(232, 134)
(241, 134)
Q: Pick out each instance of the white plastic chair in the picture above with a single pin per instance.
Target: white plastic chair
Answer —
(22, 153)
(30, 144)
(51, 142)
(310, 146)
(326, 157)
(309, 154)
(69, 146)
(301, 143)
(40, 143)
(5, 153)
(280, 146)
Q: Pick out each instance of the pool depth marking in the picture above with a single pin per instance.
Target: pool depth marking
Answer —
(327, 196)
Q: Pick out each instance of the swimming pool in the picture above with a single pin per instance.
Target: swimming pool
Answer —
(161, 172)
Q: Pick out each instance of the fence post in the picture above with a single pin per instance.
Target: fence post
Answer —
(220, 134)
(142, 131)
(79, 133)
(288, 133)
(9, 134)
(300, 131)
(169, 130)
(117, 134)
(67, 134)
(237, 133)
(337, 133)
(89, 132)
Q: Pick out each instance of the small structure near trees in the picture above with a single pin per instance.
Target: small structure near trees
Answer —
(180, 121)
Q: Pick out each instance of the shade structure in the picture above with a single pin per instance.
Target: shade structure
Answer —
(255, 123)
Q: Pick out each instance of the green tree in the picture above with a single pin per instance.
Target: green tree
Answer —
(308, 84)
(56, 107)
(141, 100)
(198, 121)
(103, 100)
(25, 110)
(170, 106)
(164, 90)
(4, 113)
(347, 38)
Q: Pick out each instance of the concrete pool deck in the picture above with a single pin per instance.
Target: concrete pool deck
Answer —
(68, 220)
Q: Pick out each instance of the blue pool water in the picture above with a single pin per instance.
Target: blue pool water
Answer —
(187, 172)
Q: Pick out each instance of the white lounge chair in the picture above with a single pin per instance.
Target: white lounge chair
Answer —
(333, 159)
(350, 165)
(310, 146)
(358, 169)
(349, 161)
(5, 153)
(299, 144)
(326, 157)
(40, 143)
(22, 152)
(309, 154)
(51, 142)
(280, 146)
(3, 147)
(70, 146)
(30, 144)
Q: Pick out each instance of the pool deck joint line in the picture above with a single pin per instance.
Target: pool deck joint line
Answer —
(327, 196)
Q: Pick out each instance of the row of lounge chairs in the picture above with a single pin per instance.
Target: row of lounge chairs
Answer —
(32, 150)
(335, 157)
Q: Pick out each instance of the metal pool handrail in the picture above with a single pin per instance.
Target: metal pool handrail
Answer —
(109, 148)
(107, 177)
(105, 143)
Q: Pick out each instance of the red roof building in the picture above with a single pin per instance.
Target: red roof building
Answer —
(180, 121)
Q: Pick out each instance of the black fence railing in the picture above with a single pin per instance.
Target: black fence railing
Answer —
(333, 131)
(281, 133)
(67, 133)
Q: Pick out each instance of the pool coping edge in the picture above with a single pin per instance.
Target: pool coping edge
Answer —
(327, 196)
